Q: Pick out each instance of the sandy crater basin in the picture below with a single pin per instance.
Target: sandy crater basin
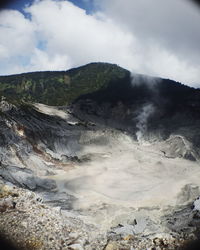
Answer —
(131, 175)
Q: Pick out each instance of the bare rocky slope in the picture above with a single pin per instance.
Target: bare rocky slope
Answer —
(116, 168)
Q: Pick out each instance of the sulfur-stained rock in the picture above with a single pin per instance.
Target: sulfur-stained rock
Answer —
(112, 246)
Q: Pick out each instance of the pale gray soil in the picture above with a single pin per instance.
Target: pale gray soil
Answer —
(79, 185)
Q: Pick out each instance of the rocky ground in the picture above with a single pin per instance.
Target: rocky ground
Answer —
(72, 184)
(29, 223)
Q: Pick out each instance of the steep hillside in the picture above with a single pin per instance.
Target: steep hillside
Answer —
(61, 87)
(106, 82)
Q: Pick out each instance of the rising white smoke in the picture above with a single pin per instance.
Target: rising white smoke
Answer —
(138, 79)
(142, 120)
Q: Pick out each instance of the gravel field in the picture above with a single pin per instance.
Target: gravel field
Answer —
(30, 224)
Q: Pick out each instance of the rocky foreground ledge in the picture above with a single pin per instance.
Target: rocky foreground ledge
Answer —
(28, 223)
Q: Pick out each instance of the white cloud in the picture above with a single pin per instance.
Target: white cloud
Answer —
(17, 34)
(60, 35)
(168, 28)
(83, 38)
(41, 60)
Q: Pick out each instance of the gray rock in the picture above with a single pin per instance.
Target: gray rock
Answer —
(76, 247)
(58, 199)
(125, 230)
(23, 177)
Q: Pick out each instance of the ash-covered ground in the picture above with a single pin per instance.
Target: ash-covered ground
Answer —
(133, 192)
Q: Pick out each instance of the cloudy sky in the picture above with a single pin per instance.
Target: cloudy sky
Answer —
(154, 37)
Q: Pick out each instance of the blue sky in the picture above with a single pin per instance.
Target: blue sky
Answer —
(143, 36)
(18, 5)
(88, 5)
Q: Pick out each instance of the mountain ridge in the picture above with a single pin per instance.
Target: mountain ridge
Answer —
(59, 88)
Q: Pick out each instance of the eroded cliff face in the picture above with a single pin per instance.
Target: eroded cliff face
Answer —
(37, 141)
(161, 112)
(111, 165)
(41, 138)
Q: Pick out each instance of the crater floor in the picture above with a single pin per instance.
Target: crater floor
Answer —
(127, 176)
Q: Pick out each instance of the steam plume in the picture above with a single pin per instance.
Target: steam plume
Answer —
(142, 120)
(149, 81)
